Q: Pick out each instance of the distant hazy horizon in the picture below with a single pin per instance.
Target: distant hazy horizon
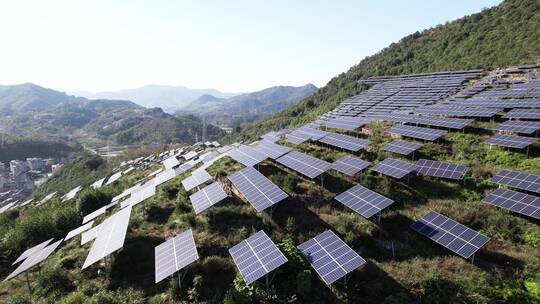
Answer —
(237, 46)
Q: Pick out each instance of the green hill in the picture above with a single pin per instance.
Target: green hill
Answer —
(502, 36)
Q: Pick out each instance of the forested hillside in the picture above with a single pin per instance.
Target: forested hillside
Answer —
(22, 148)
(502, 36)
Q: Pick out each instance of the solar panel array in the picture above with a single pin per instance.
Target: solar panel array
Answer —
(271, 149)
(525, 127)
(247, 155)
(450, 234)
(73, 233)
(256, 256)
(28, 252)
(350, 165)
(207, 197)
(402, 147)
(140, 194)
(417, 132)
(114, 178)
(440, 169)
(522, 203)
(511, 141)
(519, 180)
(331, 258)
(34, 259)
(170, 162)
(174, 254)
(110, 236)
(260, 192)
(394, 167)
(345, 123)
(363, 201)
(345, 142)
(523, 114)
(198, 177)
(305, 164)
(94, 214)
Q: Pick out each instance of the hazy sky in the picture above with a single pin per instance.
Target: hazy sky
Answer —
(233, 46)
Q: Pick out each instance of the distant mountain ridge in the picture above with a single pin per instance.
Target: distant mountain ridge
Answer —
(169, 98)
(248, 107)
(29, 110)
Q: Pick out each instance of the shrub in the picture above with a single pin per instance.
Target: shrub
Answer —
(92, 199)
(120, 296)
(532, 237)
(52, 282)
(303, 282)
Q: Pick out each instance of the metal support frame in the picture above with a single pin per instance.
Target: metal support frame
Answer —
(28, 282)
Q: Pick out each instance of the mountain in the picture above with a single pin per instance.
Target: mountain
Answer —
(30, 97)
(248, 107)
(34, 112)
(169, 98)
(501, 36)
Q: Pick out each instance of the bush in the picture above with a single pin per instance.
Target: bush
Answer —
(52, 282)
(92, 199)
(120, 296)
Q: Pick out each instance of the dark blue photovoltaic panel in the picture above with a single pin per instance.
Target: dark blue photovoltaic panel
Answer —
(207, 197)
(522, 203)
(345, 142)
(525, 127)
(402, 147)
(394, 167)
(523, 114)
(247, 155)
(364, 201)
(350, 165)
(331, 258)
(260, 192)
(440, 169)
(417, 132)
(450, 234)
(174, 254)
(256, 256)
(271, 149)
(511, 141)
(519, 180)
(307, 165)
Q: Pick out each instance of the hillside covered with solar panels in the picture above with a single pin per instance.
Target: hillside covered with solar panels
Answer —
(420, 185)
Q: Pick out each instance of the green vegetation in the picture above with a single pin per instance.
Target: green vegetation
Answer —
(11, 148)
(497, 37)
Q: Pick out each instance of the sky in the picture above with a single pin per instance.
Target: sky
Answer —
(232, 46)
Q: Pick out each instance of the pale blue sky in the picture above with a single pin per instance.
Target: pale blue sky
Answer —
(234, 46)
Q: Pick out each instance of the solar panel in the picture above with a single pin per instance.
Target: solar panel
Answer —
(271, 149)
(525, 127)
(440, 169)
(71, 194)
(515, 201)
(272, 136)
(190, 155)
(114, 178)
(331, 258)
(450, 234)
(402, 147)
(175, 254)
(199, 176)
(79, 230)
(363, 201)
(417, 132)
(345, 142)
(94, 214)
(110, 237)
(97, 184)
(256, 256)
(297, 137)
(350, 165)
(394, 167)
(305, 164)
(511, 141)
(140, 194)
(34, 259)
(247, 155)
(28, 252)
(523, 114)
(183, 168)
(164, 176)
(260, 192)
(171, 162)
(519, 180)
(224, 149)
(345, 123)
(207, 197)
